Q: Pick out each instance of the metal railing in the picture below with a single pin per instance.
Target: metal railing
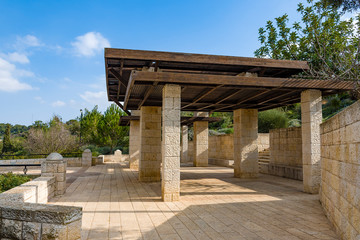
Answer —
(20, 165)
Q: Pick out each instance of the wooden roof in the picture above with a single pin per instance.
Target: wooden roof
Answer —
(209, 82)
(125, 120)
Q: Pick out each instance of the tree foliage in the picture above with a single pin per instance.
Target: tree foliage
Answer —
(328, 43)
(272, 119)
(7, 146)
(344, 5)
(55, 138)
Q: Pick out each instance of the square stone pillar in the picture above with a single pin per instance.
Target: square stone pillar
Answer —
(55, 166)
(311, 118)
(245, 143)
(170, 185)
(134, 141)
(184, 144)
(201, 140)
(150, 144)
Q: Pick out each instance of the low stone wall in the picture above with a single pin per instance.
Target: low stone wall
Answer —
(285, 154)
(39, 221)
(24, 213)
(286, 146)
(340, 171)
(221, 149)
(116, 157)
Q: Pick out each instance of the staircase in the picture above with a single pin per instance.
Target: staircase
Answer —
(264, 160)
(264, 156)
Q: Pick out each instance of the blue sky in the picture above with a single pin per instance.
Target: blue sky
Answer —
(51, 52)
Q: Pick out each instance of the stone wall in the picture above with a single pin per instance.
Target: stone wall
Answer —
(285, 146)
(285, 153)
(24, 213)
(340, 171)
(221, 148)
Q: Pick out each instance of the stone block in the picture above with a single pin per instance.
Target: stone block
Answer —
(11, 229)
(31, 230)
(53, 231)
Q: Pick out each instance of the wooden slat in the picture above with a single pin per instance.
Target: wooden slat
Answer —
(241, 102)
(223, 99)
(240, 80)
(203, 58)
(202, 95)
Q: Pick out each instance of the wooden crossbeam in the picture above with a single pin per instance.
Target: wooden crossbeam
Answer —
(206, 79)
(201, 96)
(129, 88)
(223, 99)
(149, 90)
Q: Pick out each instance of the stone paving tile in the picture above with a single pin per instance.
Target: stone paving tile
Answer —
(213, 205)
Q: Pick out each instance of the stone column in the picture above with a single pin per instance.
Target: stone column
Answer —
(134, 141)
(55, 166)
(86, 158)
(311, 118)
(150, 144)
(184, 144)
(245, 143)
(201, 140)
(170, 184)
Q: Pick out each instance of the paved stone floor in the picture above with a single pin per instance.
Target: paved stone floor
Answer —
(213, 205)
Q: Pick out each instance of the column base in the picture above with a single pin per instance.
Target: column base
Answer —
(200, 164)
(245, 175)
(170, 197)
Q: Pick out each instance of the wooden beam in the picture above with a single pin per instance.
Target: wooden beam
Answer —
(203, 59)
(202, 95)
(277, 97)
(186, 78)
(149, 90)
(121, 106)
(129, 88)
(242, 101)
(223, 99)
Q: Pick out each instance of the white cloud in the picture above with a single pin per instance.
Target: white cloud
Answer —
(58, 104)
(90, 44)
(8, 77)
(28, 41)
(94, 97)
(40, 99)
(18, 57)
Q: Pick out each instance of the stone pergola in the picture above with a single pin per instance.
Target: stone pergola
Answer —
(157, 86)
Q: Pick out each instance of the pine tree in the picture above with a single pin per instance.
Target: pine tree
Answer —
(7, 147)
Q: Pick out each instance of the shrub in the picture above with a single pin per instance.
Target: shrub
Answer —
(10, 180)
(272, 119)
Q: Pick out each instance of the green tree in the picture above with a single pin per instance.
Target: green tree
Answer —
(329, 44)
(89, 123)
(272, 119)
(109, 132)
(7, 147)
(345, 5)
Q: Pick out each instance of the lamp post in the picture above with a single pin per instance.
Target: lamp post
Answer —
(81, 116)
